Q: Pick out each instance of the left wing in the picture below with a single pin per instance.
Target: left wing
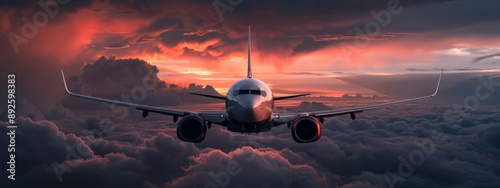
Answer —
(210, 117)
(220, 97)
(287, 118)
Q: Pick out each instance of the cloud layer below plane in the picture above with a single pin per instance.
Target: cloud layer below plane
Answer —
(350, 153)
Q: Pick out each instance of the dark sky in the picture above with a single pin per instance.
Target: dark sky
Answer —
(373, 47)
(189, 42)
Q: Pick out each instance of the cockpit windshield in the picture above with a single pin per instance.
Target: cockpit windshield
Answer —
(249, 91)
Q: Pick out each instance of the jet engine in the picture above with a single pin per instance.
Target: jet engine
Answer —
(191, 129)
(306, 129)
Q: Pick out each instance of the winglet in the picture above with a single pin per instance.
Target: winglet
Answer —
(438, 84)
(64, 80)
(249, 73)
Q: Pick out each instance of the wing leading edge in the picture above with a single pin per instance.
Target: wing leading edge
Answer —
(286, 118)
(211, 117)
(209, 96)
(290, 96)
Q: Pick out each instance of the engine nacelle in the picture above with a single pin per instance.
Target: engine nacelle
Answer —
(306, 129)
(191, 129)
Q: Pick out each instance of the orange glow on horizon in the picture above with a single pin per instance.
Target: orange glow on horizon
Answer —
(287, 70)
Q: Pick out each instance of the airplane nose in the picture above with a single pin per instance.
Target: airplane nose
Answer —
(249, 109)
(250, 103)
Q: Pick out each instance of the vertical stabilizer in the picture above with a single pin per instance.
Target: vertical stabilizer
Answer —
(249, 73)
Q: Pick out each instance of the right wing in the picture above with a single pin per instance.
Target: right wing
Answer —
(287, 118)
(211, 117)
(290, 96)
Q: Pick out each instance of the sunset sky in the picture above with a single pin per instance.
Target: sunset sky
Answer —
(389, 48)
(296, 47)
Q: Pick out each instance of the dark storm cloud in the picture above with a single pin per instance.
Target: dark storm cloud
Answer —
(452, 15)
(117, 47)
(292, 27)
(121, 73)
(163, 24)
(131, 80)
(69, 6)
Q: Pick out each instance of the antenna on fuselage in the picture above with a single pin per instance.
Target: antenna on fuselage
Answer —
(249, 73)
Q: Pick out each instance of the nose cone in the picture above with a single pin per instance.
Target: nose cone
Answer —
(249, 103)
(249, 109)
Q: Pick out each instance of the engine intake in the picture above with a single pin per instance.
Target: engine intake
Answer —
(306, 129)
(191, 129)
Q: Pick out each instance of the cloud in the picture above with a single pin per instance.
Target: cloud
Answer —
(131, 80)
(226, 169)
(29, 110)
(116, 47)
(193, 30)
(350, 153)
(41, 162)
(58, 113)
(306, 106)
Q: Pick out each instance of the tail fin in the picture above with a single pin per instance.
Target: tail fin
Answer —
(249, 73)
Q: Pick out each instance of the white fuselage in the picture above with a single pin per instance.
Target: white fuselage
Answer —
(249, 102)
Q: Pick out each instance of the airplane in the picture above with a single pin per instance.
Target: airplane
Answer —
(249, 109)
